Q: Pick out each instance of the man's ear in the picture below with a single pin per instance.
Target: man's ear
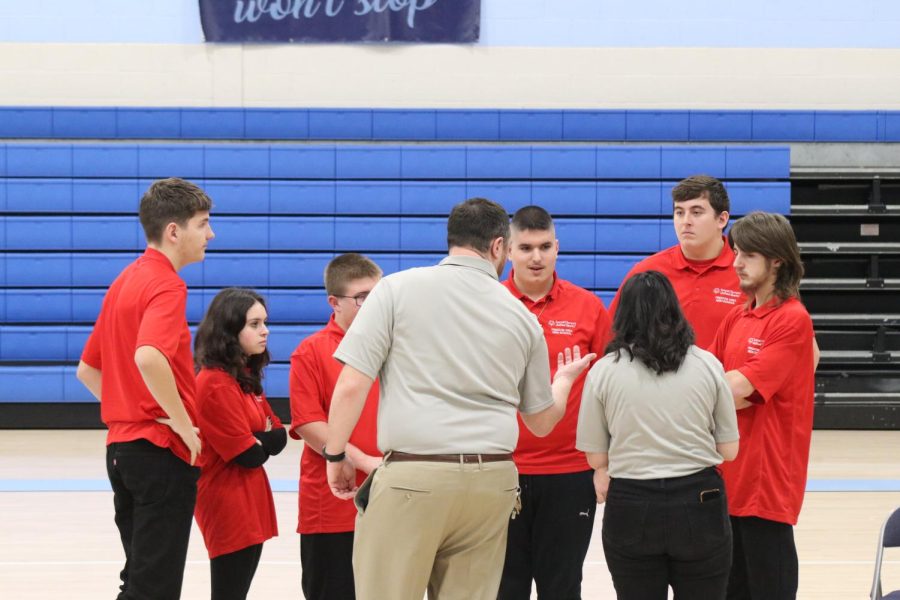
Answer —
(722, 219)
(171, 232)
(497, 246)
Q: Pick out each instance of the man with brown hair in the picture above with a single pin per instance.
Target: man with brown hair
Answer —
(549, 540)
(700, 266)
(457, 358)
(326, 523)
(137, 362)
(769, 354)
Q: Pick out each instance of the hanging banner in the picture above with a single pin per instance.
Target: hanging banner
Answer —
(432, 21)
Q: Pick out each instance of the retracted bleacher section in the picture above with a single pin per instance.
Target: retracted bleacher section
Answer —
(284, 209)
(848, 227)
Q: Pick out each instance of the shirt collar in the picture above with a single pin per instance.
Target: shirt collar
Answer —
(551, 295)
(332, 328)
(155, 255)
(724, 260)
(761, 311)
(471, 262)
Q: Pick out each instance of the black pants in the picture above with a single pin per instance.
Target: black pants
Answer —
(327, 563)
(657, 533)
(154, 494)
(765, 560)
(231, 574)
(549, 539)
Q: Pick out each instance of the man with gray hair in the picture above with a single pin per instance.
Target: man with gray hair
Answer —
(457, 357)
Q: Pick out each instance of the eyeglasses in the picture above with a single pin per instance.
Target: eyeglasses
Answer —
(359, 298)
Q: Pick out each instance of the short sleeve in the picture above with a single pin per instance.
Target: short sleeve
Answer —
(592, 433)
(535, 394)
(307, 388)
(367, 343)
(777, 359)
(223, 422)
(725, 427)
(91, 354)
(162, 321)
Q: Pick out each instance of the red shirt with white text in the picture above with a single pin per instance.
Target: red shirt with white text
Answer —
(706, 290)
(772, 346)
(570, 316)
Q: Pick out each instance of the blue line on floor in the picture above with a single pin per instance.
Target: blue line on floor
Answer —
(290, 485)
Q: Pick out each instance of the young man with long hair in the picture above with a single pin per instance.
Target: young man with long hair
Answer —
(769, 354)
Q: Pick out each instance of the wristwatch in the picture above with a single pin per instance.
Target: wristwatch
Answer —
(333, 458)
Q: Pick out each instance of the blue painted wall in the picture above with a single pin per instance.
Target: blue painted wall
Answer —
(573, 23)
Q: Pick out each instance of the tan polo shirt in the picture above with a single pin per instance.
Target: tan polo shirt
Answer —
(456, 356)
(655, 426)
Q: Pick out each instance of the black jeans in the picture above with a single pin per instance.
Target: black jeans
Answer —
(765, 560)
(549, 539)
(657, 533)
(231, 574)
(154, 494)
(327, 563)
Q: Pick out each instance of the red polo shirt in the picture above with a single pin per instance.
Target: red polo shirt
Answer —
(772, 346)
(314, 371)
(234, 508)
(707, 290)
(144, 306)
(570, 316)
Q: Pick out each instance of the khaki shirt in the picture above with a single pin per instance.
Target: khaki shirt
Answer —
(456, 356)
(655, 426)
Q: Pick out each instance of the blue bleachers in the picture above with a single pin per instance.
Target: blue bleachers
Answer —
(282, 210)
(390, 162)
(450, 125)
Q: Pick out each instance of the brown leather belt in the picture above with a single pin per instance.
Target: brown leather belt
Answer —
(447, 458)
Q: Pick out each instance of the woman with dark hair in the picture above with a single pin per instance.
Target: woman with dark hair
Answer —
(656, 419)
(235, 510)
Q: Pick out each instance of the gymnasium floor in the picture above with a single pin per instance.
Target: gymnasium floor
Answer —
(58, 540)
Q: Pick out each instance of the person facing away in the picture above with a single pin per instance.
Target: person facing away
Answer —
(769, 354)
(137, 362)
(549, 539)
(235, 510)
(326, 523)
(700, 265)
(456, 356)
(656, 420)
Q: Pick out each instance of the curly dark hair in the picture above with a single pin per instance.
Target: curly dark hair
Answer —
(649, 324)
(217, 345)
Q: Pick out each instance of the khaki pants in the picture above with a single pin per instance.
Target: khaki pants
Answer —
(435, 526)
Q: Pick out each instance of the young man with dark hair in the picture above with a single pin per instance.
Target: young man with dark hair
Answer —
(768, 351)
(137, 362)
(549, 539)
(457, 357)
(700, 266)
(326, 523)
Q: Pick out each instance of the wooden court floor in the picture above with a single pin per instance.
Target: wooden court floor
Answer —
(63, 544)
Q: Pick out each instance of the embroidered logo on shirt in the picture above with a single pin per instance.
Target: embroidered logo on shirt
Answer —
(558, 327)
(754, 345)
(725, 296)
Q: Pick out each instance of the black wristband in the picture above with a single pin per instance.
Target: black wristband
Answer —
(333, 458)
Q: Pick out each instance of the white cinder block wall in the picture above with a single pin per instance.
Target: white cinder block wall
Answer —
(532, 54)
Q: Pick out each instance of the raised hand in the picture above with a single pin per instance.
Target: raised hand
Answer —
(570, 363)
